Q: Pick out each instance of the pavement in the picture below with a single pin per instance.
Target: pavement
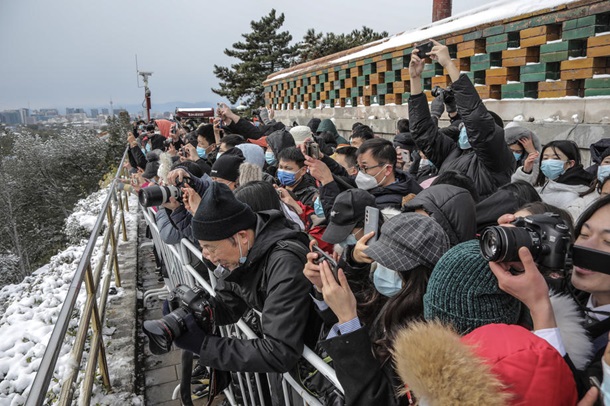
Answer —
(161, 373)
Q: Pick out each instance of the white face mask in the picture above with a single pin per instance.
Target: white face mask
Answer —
(365, 181)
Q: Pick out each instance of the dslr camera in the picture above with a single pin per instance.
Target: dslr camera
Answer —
(157, 195)
(182, 302)
(546, 236)
(447, 93)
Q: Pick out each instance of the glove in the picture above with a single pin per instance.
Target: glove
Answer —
(264, 115)
(192, 338)
(437, 107)
(450, 102)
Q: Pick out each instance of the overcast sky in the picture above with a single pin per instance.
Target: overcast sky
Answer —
(72, 53)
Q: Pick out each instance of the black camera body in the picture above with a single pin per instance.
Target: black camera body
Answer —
(546, 236)
(158, 195)
(182, 302)
(447, 93)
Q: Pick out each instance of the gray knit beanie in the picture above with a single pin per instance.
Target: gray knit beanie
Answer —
(464, 292)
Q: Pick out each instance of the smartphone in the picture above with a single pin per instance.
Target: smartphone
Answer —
(323, 256)
(313, 150)
(406, 156)
(423, 49)
(371, 222)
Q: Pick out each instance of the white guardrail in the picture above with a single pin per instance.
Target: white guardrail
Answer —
(177, 260)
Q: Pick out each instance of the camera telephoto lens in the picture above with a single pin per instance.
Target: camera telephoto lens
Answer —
(161, 333)
(157, 195)
(501, 244)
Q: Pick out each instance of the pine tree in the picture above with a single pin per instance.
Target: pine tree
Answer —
(316, 45)
(310, 48)
(264, 51)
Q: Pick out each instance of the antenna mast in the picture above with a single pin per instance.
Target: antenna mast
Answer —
(145, 76)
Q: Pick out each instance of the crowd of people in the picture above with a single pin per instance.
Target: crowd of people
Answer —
(410, 310)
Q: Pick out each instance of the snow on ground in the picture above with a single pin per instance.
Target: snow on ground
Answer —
(29, 311)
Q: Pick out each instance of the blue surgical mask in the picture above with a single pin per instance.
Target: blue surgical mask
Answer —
(202, 152)
(517, 155)
(463, 140)
(387, 282)
(242, 258)
(426, 162)
(552, 168)
(286, 178)
(317, 207)
(350, 240)
(270, 158)
(148, 147)
(603, 172)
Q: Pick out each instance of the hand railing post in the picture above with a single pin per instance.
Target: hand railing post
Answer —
(113, 244)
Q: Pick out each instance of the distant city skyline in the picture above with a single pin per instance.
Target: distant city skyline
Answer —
(82, 54)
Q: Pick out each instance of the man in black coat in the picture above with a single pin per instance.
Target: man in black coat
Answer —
(481, 152)
(264, 259)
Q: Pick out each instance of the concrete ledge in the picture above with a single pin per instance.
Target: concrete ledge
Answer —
(584, 120)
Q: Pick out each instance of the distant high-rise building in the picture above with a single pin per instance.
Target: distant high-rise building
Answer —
(69, 110)
(25, 114)
(94, 113)
(77, 111)
(48, 112)
(10, 117)
(105, 112)
(117, 111)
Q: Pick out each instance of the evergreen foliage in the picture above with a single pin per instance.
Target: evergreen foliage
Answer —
(41, 178)
(316, 45)
(264, 51)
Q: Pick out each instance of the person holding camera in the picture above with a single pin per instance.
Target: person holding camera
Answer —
(263, 256)
(481, 152)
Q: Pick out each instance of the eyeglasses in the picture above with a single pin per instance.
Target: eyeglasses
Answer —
(365, 169)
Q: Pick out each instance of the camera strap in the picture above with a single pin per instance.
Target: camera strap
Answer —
(593, 260)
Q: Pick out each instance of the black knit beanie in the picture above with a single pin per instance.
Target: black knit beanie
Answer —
(464, 292)
(227, 167)
(220, 215)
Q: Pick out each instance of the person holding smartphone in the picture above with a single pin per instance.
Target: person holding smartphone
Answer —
(366, 318)
(480, 152)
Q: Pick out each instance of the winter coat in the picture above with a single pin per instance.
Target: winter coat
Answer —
(249, 131)
(565, 191)
(280, 140)
(450, 206)
(496, 364)
(328, 125)
(598, 150)
(270, 281)
(306, 190)
(489, 210)
(385, 196)
(489, 163)
(365, 380)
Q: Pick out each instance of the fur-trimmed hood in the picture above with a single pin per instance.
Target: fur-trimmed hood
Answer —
(496, 364)
(570, 321)
(439, 369)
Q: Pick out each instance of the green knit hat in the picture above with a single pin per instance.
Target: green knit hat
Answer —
(464, 292)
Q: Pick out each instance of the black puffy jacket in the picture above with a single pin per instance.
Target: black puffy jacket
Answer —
(272, 282)
(451, 207)
(489, 163)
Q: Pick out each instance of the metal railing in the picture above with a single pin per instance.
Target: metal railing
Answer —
(97, 284)
(177, 259)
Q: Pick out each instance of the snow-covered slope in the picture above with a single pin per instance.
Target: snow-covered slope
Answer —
(29, 310)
